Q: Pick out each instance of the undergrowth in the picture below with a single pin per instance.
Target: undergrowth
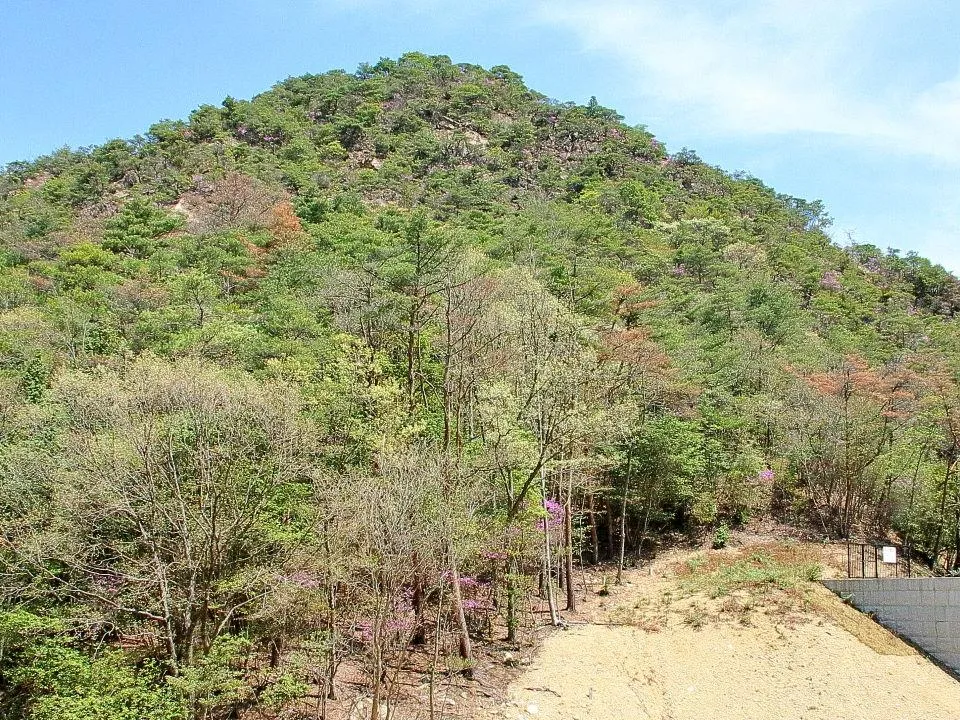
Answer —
(760, 570)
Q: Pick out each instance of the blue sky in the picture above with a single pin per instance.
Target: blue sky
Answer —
(855, 102)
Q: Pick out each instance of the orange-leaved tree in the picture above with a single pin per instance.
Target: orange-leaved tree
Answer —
(846, 421)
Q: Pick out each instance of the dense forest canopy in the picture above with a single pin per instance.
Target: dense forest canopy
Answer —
(345, 368)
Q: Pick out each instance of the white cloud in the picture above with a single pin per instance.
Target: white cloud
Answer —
(768, 67)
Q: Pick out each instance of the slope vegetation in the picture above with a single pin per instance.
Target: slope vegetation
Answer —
(305, 389)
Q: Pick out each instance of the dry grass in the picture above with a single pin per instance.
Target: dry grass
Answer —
(757, 570)
(649, 614)
(875, 636)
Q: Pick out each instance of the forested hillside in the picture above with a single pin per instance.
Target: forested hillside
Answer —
(318, 377)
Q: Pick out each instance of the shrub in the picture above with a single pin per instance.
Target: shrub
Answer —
(721, 537)
(61, 683)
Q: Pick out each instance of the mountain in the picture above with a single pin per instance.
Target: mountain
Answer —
(339, 368)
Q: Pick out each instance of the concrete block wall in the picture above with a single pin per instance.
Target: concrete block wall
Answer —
(925, 611)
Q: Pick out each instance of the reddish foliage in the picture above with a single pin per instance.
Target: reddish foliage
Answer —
(641, 364)
(285, 226)
(633, 347)
(140, 294)
(42, 284)
(941, 393)
(892, 389)
(628, 303)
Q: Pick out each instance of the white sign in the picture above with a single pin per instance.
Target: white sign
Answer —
(890, 555)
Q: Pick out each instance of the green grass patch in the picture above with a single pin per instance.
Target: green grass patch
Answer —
(779, 568)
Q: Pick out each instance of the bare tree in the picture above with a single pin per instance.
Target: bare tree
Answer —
(405, 523)
(170, 488)
(234, 201)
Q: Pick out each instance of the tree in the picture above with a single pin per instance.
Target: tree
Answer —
(135, 228)
(408, 525)
(637, 386)
(177, 500)
(847, 421)
(234, 201)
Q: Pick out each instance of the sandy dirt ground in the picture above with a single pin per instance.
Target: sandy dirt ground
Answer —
(646, 651)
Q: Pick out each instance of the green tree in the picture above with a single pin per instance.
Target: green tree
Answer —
(135, 228)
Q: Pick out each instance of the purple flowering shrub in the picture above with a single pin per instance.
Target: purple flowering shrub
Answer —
(554, 512)
(831, 281)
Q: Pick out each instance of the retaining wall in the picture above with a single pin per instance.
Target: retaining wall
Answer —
(925, 611)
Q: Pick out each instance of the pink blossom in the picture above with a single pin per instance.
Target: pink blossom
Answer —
(303, 578)
(554, 512)
(831, 281)
(401, 623)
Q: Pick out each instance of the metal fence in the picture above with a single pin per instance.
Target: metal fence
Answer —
(869, 560)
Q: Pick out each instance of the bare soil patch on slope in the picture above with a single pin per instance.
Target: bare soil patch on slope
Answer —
(738, 634)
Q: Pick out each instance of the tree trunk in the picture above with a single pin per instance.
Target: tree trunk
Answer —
(512, 601)
(436, 655)
(568, 536)
(466, 649)
(611, 544)
(328, 692)
(623, 515)
(411, 354)
(594, 535)
(913, 494)
(940, 518)
(571, 596)
(548, 561)
(652, 500)
(377, 672)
